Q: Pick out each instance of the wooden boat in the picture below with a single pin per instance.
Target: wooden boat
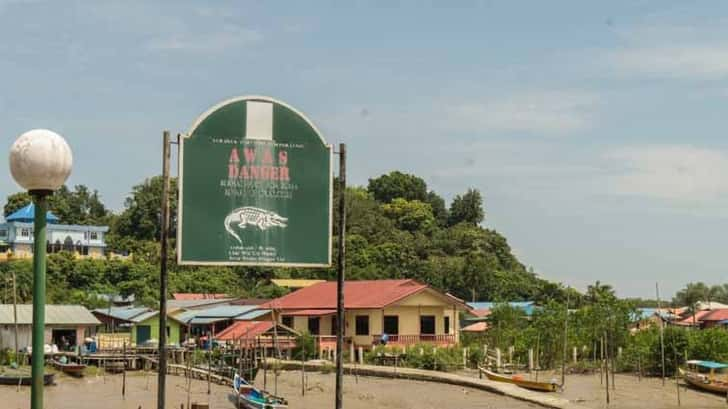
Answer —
(23, 379)
(253, 398)
(702, 375)
(69, 368)
(523, 383)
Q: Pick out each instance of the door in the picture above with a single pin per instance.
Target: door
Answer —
(313, 325)
(143, 334)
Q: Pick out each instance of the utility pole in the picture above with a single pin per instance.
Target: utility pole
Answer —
(662, 332)
(15, 317)
(340, 265)
(162, 370)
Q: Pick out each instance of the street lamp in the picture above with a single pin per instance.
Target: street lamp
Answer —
(40, 161)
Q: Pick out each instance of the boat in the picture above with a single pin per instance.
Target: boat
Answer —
(69, 367)
(519, 381)
(706, 375)
(253, 398)
(23, 379)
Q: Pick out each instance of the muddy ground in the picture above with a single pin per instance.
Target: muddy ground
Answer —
(104, 392)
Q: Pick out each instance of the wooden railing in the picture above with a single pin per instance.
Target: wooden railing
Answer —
(406, 340)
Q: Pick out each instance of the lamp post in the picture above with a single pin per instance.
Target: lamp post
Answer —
(40, 161)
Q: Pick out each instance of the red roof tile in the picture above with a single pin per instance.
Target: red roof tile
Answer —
(698, 318)
(482, 312)
(244, 329)
(198, 296)
(357, 294)
(477, 327)
(716, 315)
(309, 313)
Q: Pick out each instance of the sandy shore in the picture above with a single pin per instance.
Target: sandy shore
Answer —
(105, 393)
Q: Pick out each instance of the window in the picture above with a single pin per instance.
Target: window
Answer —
(3, 232)
(313, 325)
(93, 235)
(427, 324)
(334, 324)
(362, 325)
(287, 320)
(391, 324)
(447, 325)
(24, 232)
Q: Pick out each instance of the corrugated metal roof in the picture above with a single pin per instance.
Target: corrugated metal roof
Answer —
(252, 315)
(245, 330)
(144, 316)
(197, 303)
(206, 320)
(228, 311)
(55, 315)
(123, 313)
(199, 296)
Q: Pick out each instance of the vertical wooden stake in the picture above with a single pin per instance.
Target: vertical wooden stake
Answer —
(123, 373)
(606, 364)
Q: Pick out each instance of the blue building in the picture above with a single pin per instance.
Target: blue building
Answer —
(16, 236)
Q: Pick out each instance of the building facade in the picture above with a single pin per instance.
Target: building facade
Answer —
(406, 311)
(16, 236)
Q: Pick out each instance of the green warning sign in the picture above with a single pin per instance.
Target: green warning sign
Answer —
(255, 187)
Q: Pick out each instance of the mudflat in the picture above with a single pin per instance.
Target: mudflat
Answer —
(104, 392)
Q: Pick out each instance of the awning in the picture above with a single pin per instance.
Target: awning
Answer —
(310, 313)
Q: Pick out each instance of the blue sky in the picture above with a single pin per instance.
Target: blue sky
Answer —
(596, 131)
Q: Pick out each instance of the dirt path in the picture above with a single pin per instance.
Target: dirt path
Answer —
(99, 392)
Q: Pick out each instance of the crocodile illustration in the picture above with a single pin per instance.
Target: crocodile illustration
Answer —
(253, 216)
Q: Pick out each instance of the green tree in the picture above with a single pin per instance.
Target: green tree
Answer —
(15, 202)
(439, 210)
(410, 215)
(467, 208)
(395, 185)
(79, 206)
(141, 217)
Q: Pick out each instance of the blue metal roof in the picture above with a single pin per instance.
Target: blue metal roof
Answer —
(123, 313)
(527, 306)
(225, 311)
(708, 364)
(27, 214)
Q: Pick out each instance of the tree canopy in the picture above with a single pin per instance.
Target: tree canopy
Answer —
(396, 228)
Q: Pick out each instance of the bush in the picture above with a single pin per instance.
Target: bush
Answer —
(305, 347)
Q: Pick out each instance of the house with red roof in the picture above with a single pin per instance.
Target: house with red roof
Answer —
(407, 311)
(715, 318)
(695, 321)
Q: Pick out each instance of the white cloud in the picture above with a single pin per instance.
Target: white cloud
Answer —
(556, 112)
(699, 61)
(671, 172)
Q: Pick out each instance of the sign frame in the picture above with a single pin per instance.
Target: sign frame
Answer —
(180, 186)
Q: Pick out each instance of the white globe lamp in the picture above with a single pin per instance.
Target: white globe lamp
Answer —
(40, 161)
